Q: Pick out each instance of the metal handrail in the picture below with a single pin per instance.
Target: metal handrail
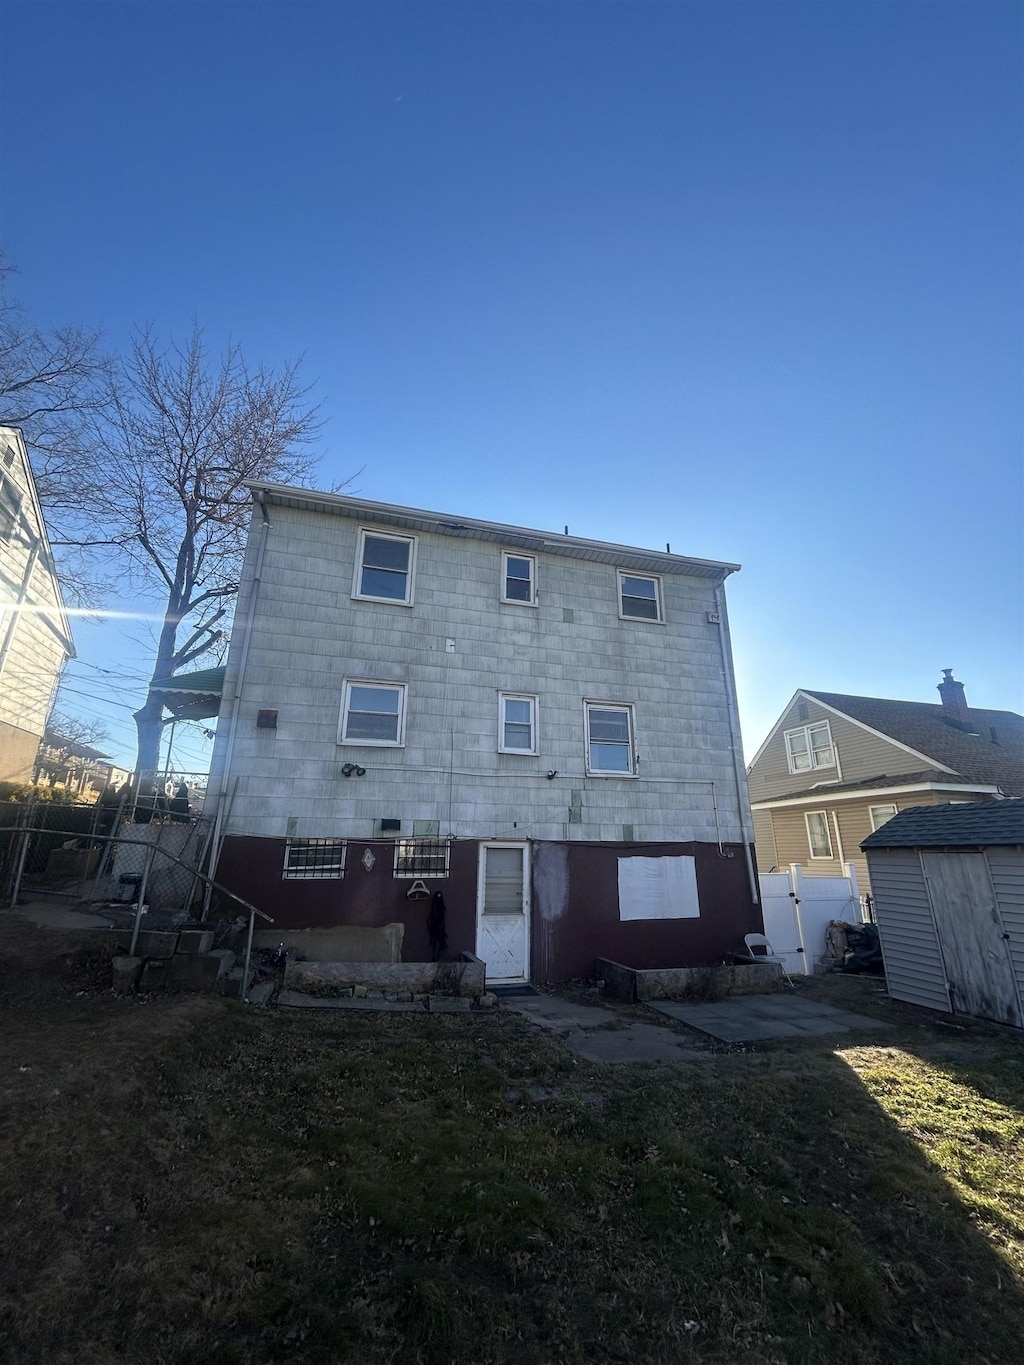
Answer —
(151, 851)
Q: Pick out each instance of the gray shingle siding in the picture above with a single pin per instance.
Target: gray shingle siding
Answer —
(309, 635)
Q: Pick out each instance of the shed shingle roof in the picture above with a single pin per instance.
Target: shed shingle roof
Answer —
(923, 726)
(977, 824)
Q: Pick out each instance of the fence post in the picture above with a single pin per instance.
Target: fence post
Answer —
(19, 862)
(850, 873)
(150, 855)
(243, 989)
(796, 882)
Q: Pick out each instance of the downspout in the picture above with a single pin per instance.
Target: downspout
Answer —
(734, 740)
(236, 701)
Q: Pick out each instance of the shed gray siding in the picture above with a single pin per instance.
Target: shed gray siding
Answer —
(861, 754)
(1007, 868)
(914, 967)
(308, 635)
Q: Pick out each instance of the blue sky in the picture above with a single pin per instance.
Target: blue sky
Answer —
(745, 278)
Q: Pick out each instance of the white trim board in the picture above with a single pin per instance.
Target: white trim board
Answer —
(823, 794)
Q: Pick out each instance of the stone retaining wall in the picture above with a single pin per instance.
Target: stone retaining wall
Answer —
(464, 978)
(688, 983)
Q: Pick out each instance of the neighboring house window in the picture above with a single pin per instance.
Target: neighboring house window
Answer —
(373, 713)
(10, 506)
(517, 724)
(519, 579)
(818, 835)
(810, 747)
(880, 814)
(384, 567)
(314, 859)
(610, 749)
(422, 857)
(640, 596)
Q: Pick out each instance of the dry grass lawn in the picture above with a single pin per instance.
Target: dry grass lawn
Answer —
(183, 1180)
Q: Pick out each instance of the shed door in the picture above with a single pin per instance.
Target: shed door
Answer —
(503, 910)
(971, 935)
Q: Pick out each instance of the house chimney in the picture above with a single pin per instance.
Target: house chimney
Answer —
(954, 703)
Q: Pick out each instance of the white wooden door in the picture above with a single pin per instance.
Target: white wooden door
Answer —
(971, 936)
(503, 912)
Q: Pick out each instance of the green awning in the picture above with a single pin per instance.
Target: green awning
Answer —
(191, 696)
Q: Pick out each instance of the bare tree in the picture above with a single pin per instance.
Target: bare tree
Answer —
(179, 437)
(49, 380)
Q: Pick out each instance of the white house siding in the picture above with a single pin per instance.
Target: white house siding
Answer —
(1007, 868)
(913, 961)
(34, 642)
(308, 635)
(861, 755)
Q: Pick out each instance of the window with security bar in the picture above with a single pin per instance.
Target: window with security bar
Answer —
(422, 857)
(314, 859)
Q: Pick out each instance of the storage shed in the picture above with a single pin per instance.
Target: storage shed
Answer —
(949, 899)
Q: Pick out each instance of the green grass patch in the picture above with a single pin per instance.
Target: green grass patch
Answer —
(184, 1181)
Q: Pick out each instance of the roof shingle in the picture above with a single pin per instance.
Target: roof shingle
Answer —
(976, 824)
(992, 756)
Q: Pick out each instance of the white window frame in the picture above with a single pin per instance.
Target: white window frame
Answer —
(889, 806)
(824, 857)
(531, 601)
(346, 698)
(407, 848)
(658, 597)
(592, 704)
(503, 697)
(357, 578)
(334, 871)
(805, 730)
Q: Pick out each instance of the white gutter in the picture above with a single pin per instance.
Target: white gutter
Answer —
(732, 707)
(236, 700)
(827, 794)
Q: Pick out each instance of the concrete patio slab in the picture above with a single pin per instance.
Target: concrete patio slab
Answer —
(753, 1019)
(598, 1034)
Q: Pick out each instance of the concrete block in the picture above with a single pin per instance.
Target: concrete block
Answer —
(195, 941)
(154, 974)
(387, 978)
(152, 942)
(126, 973)
(343, 943)
(487, 1001)
(199, 971)
(260, 993)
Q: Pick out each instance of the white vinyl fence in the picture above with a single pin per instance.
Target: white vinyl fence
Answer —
(798, 910)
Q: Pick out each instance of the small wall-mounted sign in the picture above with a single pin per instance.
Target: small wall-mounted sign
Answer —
(368, 859)
(714, 619)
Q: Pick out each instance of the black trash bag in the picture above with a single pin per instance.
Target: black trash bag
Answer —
(863, 950)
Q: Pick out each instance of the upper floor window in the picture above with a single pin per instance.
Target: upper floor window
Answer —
(384, 567)
(818, 836)
(610, 748)
(810, 747)
(878, 815)
(373, 713)
(314, 859)
(640, 596)
(517, 724)
(519, 579)
(10, 507)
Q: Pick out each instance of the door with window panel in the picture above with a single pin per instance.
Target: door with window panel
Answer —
(503, 912)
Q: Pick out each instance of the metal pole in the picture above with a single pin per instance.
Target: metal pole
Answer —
(196, 874)
(220, 820)
(243, 988)
(93, 826)
(19, 866)
(150, 854)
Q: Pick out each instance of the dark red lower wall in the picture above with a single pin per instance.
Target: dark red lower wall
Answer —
(576, 910)
(252, 868)
(575, 902)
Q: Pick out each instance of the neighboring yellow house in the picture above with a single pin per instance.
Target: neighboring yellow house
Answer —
(35, 639)
(835, 768)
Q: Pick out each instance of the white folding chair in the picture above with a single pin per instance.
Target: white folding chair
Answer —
(761, 951)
